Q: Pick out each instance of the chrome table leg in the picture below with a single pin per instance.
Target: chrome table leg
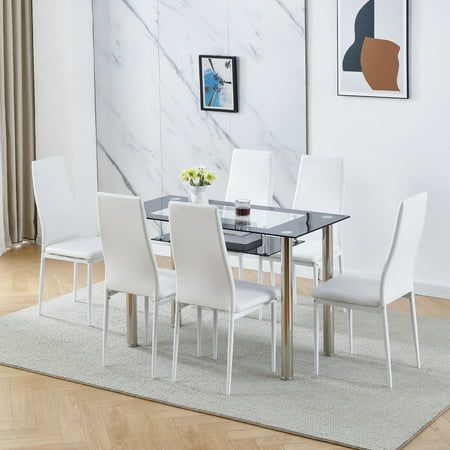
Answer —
(287, 360)
(131, 320)
(327, 273)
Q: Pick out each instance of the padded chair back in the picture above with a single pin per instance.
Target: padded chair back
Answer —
(320, 185)
(320, 188)
(54, 200)
(130, 264)
(204, 277)
(398, 273)
(251, 177)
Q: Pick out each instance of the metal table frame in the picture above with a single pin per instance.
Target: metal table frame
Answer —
(287, 271)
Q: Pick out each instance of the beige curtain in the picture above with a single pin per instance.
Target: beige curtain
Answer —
(17, 120)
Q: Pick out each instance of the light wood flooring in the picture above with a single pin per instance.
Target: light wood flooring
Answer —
(40, 412)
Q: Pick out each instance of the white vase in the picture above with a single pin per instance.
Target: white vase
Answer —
(199, 195)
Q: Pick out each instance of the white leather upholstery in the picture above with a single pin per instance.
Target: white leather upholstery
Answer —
(59, 224)
(54, 200)
(130, 264)
(251, 177)
(351, 288)
(374, 293)
(396, 279)
(320, 184)
(398, 273)
(89, 248)
(204, 277)
(320, 188)
(310, 252)
(250, 295)
(167, 283)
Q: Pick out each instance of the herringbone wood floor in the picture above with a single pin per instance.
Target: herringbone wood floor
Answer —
(39, 412)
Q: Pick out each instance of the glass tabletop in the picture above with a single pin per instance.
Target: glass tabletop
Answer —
(269, 221)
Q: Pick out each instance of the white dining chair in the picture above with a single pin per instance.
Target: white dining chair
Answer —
(320, 188)
(373, 293)
(130, 264)
(251, 177)
(59, 225)
(205, 278)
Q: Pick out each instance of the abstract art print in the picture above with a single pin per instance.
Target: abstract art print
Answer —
(373, 48)
(218, 83)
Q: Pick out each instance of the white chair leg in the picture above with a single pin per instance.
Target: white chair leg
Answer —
(75, 281)
(176, 338)
(230, 352)
(89, 293)
(274, 335)
(387, 347)
(199, 331)
(260, 281)
(341, 264)
(41, 283)
(241, 266)
(272, 273)
(414, 326)
(315, 275)
(350, 330)
(146, 322)
(215, 333)
(154, 336)
(316, 337)
(105, 327)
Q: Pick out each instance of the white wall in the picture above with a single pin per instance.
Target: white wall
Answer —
(392, 148)
(64, 95)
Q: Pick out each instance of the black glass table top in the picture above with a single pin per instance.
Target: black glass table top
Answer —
(264, 220)
(266, 245)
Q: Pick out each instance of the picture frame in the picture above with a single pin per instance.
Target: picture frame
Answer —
(218, 83)
(373, 48)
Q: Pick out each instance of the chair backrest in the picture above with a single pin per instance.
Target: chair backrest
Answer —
(130, 264)
(54, 200)
(320, 185)
(251, 177)
(204, 276)
(398, 272)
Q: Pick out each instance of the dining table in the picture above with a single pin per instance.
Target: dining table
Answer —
(280, 230)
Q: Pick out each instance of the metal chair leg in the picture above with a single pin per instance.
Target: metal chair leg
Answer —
(414, 327)
(387, 347)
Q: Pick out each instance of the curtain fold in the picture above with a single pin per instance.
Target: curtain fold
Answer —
(17, 120)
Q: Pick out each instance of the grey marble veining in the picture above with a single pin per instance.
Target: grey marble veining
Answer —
(149, 123)
(269, 42)
(127, 98)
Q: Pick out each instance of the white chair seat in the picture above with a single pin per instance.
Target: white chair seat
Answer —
(358, 289)
(167, 283)
(249, 295)
(89, 248)
(310, 252)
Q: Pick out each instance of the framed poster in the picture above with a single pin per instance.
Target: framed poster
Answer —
(218, 83)
(373, 48)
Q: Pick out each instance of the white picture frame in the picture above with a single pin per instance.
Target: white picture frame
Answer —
(373, 53)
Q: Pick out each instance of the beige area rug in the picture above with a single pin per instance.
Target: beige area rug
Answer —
(348, 404)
